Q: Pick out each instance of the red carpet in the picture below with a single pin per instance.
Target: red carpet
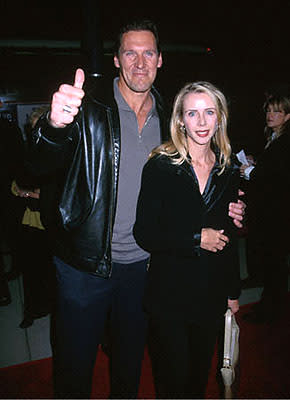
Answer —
(264, 368)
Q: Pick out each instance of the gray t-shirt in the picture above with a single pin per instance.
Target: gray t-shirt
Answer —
(135, 149)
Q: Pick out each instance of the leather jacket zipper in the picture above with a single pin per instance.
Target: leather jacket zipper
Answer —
(113, 186)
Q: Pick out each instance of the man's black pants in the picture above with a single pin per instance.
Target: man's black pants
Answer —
(84, 303)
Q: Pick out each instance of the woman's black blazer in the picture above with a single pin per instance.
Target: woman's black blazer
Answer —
(184, 279)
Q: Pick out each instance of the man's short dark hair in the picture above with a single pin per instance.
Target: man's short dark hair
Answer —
(137, 25)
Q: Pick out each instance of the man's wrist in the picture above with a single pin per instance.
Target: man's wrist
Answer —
(52, 124)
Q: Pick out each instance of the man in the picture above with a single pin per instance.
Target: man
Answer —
(100, 269)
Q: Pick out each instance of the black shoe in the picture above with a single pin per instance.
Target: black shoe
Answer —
(26, 323)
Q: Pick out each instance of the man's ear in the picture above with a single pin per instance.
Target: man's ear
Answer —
(116, 62)
(160, 61)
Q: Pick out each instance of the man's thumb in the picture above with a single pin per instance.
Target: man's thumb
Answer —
(79, 78)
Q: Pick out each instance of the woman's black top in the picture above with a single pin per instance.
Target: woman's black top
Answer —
(184, 279)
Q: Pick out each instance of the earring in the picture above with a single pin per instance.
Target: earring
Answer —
(182, 127)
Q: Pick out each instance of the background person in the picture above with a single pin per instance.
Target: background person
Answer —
(276, 111)
(10, 153)
(31, 245)
(268, 231)
(11, 162)
(182, 221)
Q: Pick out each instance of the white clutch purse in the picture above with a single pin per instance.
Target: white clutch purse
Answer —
(231, 352)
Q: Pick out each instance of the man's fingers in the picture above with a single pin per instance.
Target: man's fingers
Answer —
(239, 206)
(224, 238)
(64, 97)
(244, 205)
(79, 78)
(236, 216)
(237, 223)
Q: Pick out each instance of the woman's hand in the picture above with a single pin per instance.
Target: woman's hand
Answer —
(242, 169)
(213, 240)
(27, 193)
(34, 194)
(234, 305)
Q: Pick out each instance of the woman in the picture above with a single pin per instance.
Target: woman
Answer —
(268, 222)
(277, 110)
(182, 221)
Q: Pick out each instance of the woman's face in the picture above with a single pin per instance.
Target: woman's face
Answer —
(199, 118)
(275, 119)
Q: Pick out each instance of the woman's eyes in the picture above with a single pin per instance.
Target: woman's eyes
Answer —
(274, 111)
(208, 112)
(191, 113)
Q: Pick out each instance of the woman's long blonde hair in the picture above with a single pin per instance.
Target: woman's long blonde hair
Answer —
(177, 146)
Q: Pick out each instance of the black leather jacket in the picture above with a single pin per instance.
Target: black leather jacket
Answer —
(85, 158)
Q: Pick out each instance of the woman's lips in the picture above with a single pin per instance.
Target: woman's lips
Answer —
(202, 133)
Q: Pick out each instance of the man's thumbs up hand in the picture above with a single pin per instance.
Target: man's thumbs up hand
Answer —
(66, 101)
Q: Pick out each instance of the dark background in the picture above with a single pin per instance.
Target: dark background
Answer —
(248, 57)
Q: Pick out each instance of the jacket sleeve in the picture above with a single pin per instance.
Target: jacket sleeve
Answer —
(149, 229)
(49, 149)
(234, 289)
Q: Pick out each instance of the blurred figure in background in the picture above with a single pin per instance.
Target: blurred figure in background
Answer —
(11, 161)
(268, 222)
(31, 245)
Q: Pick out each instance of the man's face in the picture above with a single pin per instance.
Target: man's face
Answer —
(138, 60)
